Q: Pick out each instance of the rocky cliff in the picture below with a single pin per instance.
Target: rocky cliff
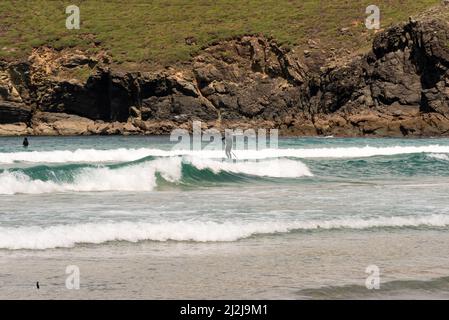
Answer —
(400, 88)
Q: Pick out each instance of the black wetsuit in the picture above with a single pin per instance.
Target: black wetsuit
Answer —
(25, 142)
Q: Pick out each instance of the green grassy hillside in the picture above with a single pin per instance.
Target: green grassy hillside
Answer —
(154, 32)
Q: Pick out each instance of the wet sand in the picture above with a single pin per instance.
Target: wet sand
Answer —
(303, 265)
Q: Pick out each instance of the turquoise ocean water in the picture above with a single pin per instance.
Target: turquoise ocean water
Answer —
(312, 198)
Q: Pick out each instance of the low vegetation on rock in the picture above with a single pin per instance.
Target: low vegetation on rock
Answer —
(292, 78)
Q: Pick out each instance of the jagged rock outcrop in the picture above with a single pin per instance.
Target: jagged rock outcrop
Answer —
(252, 78)
(400, 88)
(173, 97)
(58, 86)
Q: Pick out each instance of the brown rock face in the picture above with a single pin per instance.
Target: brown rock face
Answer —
(45, 123)
(401, 88)
(18, 129)
(12, 106)
(12, 112)
(251, 78)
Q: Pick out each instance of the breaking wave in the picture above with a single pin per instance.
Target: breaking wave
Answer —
(142, 175)
(59, 236)
(123, 155)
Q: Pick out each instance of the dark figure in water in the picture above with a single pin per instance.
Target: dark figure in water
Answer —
(228, 144)
(37, 285)
(25, 142)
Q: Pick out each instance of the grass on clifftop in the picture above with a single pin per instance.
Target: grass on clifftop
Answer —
(154, 32)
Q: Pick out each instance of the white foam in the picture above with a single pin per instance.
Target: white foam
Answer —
(97, 233)
(439, 156)
(276, 168)
(77, 156)
(121, 155)
(142, 177)
(131, 178)
(354, 152)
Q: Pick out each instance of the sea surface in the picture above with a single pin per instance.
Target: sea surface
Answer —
(141, 219)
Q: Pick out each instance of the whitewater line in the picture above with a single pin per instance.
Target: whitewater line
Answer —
(66, 236)
(142, 176)
(123, 154)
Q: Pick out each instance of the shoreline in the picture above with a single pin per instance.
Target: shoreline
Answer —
(283, 136)
(140, 226)
(137, 127)
(240, 151)
(275, 268)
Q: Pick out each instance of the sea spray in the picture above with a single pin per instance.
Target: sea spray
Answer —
(132, 154)
(199, 231)
(140, 175)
